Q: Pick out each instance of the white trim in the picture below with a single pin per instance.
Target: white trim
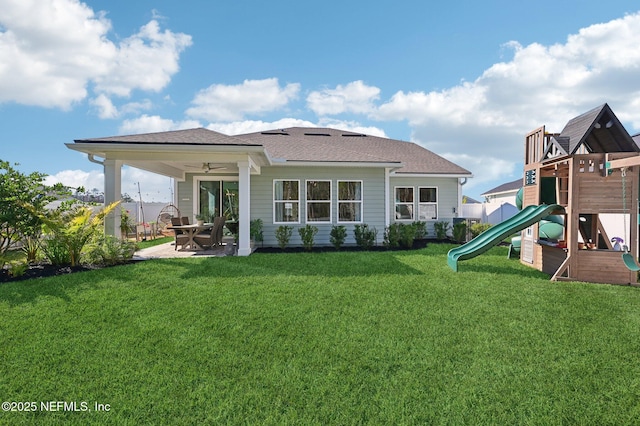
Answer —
(307, 201)
(339, 201)
(413, 204)
(437, 203)
(195, 192)
(350, 164)
(387, 190)
(273, 201)
(430, 175)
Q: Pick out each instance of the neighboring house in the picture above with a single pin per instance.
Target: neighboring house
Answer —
(505, 193)
(294, 176)
(499, 204)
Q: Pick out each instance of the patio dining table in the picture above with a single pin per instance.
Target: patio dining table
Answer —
(190, 231)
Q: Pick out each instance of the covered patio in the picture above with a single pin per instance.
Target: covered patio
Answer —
(176, 154)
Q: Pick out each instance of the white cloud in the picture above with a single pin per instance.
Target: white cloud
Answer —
(52, 50)
(154, 123)
(481, 124)
(355, 97)
(220, 102)
(147, 61)
(251, 126)
(104, 106)
(153, 187)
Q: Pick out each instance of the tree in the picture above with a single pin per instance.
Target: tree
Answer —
(17, 192)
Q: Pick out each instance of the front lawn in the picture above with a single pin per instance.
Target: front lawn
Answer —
(320, 338)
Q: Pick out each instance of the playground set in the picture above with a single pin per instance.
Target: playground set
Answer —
(579, 212)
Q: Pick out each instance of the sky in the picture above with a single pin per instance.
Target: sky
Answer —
(465, 79)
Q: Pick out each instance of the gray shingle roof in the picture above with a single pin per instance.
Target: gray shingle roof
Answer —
(505, 187)
(600, 130)
(324, 144)
(199, 136)
(305, 144)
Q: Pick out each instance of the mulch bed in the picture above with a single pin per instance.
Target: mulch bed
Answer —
(47, 270)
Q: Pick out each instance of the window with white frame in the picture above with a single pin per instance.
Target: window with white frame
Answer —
(404, 202)
(350, 201)
(286, 201)
(427, 203)
(319, 201)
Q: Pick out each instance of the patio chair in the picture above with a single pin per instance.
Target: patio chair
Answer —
(181, 238)
(213, 237)
(185, 220)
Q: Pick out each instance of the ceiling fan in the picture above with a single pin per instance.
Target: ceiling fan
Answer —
(206, 167)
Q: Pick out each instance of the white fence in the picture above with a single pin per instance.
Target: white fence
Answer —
(492, 213)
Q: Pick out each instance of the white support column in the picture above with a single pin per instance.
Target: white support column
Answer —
(112, 193)
(244, 207)
(387, 198)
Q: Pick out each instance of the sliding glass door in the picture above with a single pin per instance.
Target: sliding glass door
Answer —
(218, 198)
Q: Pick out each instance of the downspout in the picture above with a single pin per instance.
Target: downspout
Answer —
(460, 185)
(92, 158)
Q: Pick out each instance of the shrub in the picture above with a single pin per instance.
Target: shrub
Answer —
(365, 236)
(441, 229)
(31, 247)
(255, 230)
(283, 235)
(407, 234)
(307, 234)
(109, 250)
(392, 235)
(421, 230)
(69, 231)
(460, 232)
(338, 235)
(478, 228)
(17, 269)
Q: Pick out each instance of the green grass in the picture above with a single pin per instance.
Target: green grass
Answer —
(322, 338)
(155, 242)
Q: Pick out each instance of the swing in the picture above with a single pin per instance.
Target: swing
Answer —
(627, 257)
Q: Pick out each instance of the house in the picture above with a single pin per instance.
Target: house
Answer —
(500, 202)
(294, 176)
(504, 193)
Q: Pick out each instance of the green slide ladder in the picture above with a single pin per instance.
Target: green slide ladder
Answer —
(494, 235)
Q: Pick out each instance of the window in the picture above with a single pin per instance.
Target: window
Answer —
(349, 201)
(404, 203)
(319, 201)
(427, 203)
(286, 201)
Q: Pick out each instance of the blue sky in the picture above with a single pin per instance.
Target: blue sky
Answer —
(465, 79)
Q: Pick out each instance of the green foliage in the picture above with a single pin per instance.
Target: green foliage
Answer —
(441, 228)
(460, 232)
(67, 231)
(307, 234)
(478, 228)
(23, 198)
(283, 235)
(109, 250)
(421, 230)
(337, 236)
(17, 269)
(392, 235)
(255, 230)
(365, 236)
(404, 234)
(31, 247)
(127, 224)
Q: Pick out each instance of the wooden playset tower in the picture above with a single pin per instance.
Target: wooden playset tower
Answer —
(591, 169)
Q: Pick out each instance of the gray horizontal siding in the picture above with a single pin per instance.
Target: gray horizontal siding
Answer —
(447, 196)
(373, 199)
